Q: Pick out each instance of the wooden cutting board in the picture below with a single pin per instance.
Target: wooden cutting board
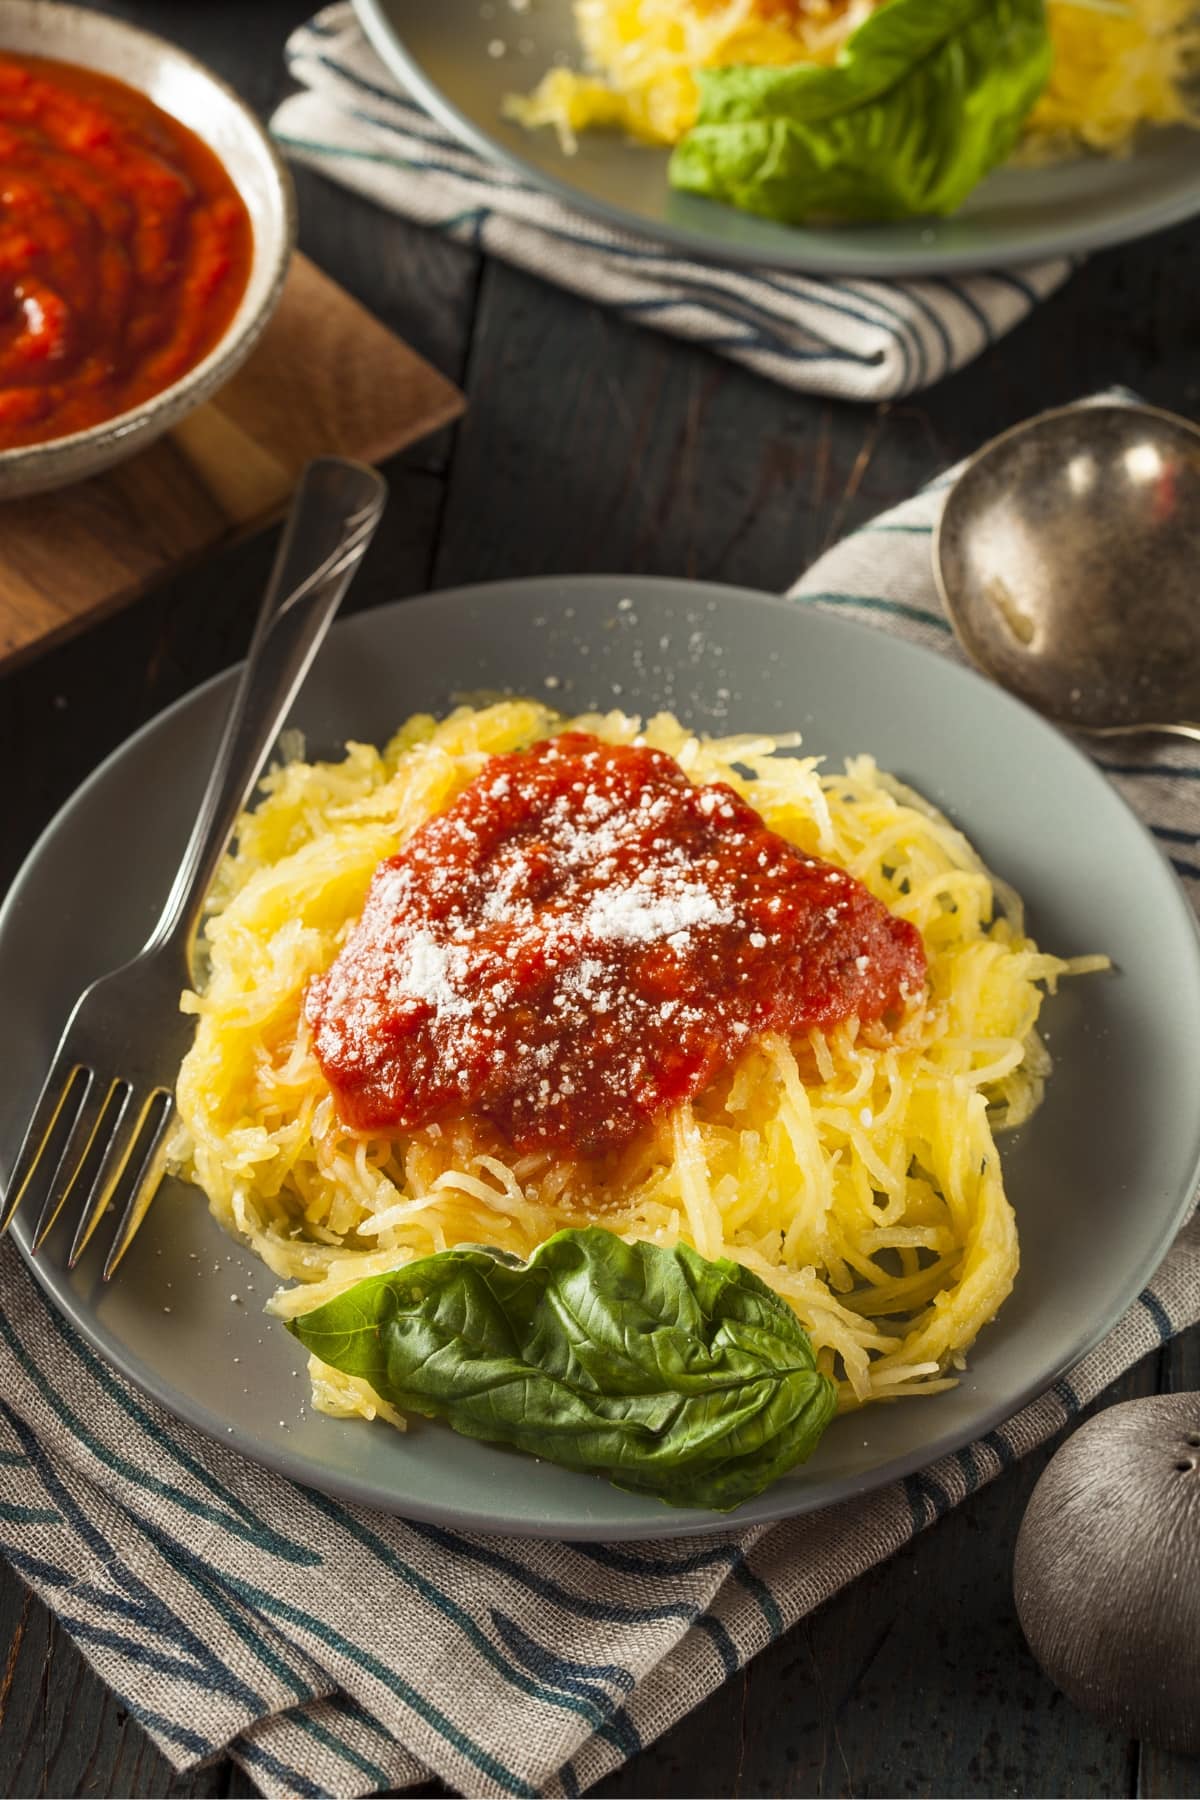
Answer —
(327, 377)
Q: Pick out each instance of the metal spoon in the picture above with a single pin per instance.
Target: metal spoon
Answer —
(1068, 561)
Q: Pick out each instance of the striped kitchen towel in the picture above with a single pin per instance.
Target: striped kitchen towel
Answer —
(859, 339)
(334, 1651)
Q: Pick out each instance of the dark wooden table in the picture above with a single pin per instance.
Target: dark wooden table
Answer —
(592, 445)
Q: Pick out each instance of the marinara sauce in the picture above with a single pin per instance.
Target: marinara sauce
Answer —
(583, 939)
(124, 249)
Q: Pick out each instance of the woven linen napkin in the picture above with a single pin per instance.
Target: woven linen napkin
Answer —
(332, 1650)
(862, 340)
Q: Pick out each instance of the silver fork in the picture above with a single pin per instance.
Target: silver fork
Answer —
(98, 1127)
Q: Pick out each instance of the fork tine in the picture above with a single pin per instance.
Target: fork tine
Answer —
(149, 1174)
(121, 1139)
(50, 1102)
(71, 1158)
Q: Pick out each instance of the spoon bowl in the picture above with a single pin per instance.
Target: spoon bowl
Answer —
(1068, 561)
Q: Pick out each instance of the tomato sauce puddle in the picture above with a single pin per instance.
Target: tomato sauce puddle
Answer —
(584, 939)
(124, 249)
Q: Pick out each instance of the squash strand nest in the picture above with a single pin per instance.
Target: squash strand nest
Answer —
(856, 1173)
(1118, 65)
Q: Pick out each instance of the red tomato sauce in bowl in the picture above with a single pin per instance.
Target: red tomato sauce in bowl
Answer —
(125, 249)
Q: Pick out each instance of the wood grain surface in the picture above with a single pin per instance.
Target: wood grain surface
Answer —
(591, 445)
(326, 378)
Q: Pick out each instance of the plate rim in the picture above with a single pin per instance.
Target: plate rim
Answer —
(1071, 244)
(777, 1503)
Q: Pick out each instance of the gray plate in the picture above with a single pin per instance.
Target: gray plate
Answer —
(1100, 1179)
(1017, 216)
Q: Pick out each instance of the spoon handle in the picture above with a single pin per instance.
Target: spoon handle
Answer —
(1179, 728)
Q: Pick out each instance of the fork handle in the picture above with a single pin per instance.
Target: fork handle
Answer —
(336, 508)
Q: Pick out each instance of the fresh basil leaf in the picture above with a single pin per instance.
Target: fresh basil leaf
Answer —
(925, 97)
(668, 1373)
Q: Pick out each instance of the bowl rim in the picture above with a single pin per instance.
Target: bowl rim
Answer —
(236, 341)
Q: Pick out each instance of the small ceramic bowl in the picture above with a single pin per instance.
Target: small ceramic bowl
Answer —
(187, 90)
